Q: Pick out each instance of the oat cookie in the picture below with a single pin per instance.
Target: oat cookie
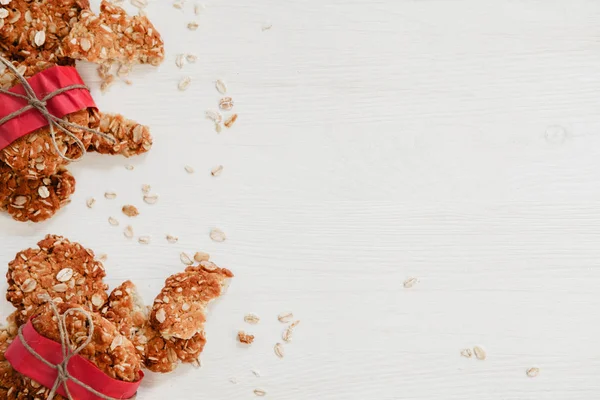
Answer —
(110, 351)
(178, 311)
(34, 200)
(64, 270)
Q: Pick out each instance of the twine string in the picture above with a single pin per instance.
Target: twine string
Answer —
(63, 376)
(33, 102)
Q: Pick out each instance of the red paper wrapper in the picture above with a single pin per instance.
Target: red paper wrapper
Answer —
(80, 368)
(42, 84)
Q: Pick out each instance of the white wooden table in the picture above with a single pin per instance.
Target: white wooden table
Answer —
(455, 141)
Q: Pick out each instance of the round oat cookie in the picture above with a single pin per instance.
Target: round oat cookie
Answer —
(34, 200)
(64, 270)
(178, 311)
(110, 351)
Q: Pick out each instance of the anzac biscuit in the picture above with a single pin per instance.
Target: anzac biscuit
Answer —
(63, 270)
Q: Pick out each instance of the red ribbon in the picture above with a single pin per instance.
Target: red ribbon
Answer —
(80, 368)
(42, 83)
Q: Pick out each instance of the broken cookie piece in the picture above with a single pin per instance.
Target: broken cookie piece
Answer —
(178, 311)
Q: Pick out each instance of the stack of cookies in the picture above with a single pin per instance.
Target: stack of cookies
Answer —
(36, 36)
(128, 336)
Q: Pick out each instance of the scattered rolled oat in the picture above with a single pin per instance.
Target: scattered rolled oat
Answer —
(102, 257)
(252, 318)
(192, 26)
(128, 232)
(151, 198)
(146, 188)
(144, 239)
(90, 202)
(410, 282)
(218, 128)
(226, 103)
(216, 171)
(217, 235)
(233, 380)
(189, 169)
(230, 121)
(266, 27)
(201, 256)
(260, 392)
(479, 353)
(221, 86)
(178, 5)
(533, 372)
(256, 373)
(285, 317)
(245, 338)
(191, 58)
(110, 195)
(184, 83)
(466, 353)
(172, 239)
(129, 167)
(185, 259)
(287, 334)
(278, 350)
(113, 221)
(130, 211)
(215, 116)
(179, 61)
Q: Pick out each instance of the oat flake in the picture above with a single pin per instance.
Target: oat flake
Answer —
(217, 235)
(466, 353)
(410, 282)
(40, 38)
(479, 353)
(144, 239)
(90, 202)
(285, 317)
(278, 350)
(185, 259)
(110, 195)
(128, 232)
(189, 169)
(260, 392)
(172, 239)
(184, 83)
(64, 275)
(533, 372)
(252, 319)
(216, 171)
(201, 256)
(192, 26)
(113, 221)
(221, 86)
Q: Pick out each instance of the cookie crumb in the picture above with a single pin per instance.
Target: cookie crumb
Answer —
(130, 210)
(244, 337)
(230, 121)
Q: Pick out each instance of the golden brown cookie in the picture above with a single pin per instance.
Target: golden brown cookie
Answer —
(64, 270)
(113, 36)
(110, 351)
(178, 311)
(34, 200)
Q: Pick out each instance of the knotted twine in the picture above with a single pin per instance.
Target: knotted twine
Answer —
(63, 376)
(53, 121)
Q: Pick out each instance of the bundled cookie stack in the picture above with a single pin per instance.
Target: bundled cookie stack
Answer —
(38, 35)
(127, 335)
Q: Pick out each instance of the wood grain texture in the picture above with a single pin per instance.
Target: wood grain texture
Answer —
(456, 141)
